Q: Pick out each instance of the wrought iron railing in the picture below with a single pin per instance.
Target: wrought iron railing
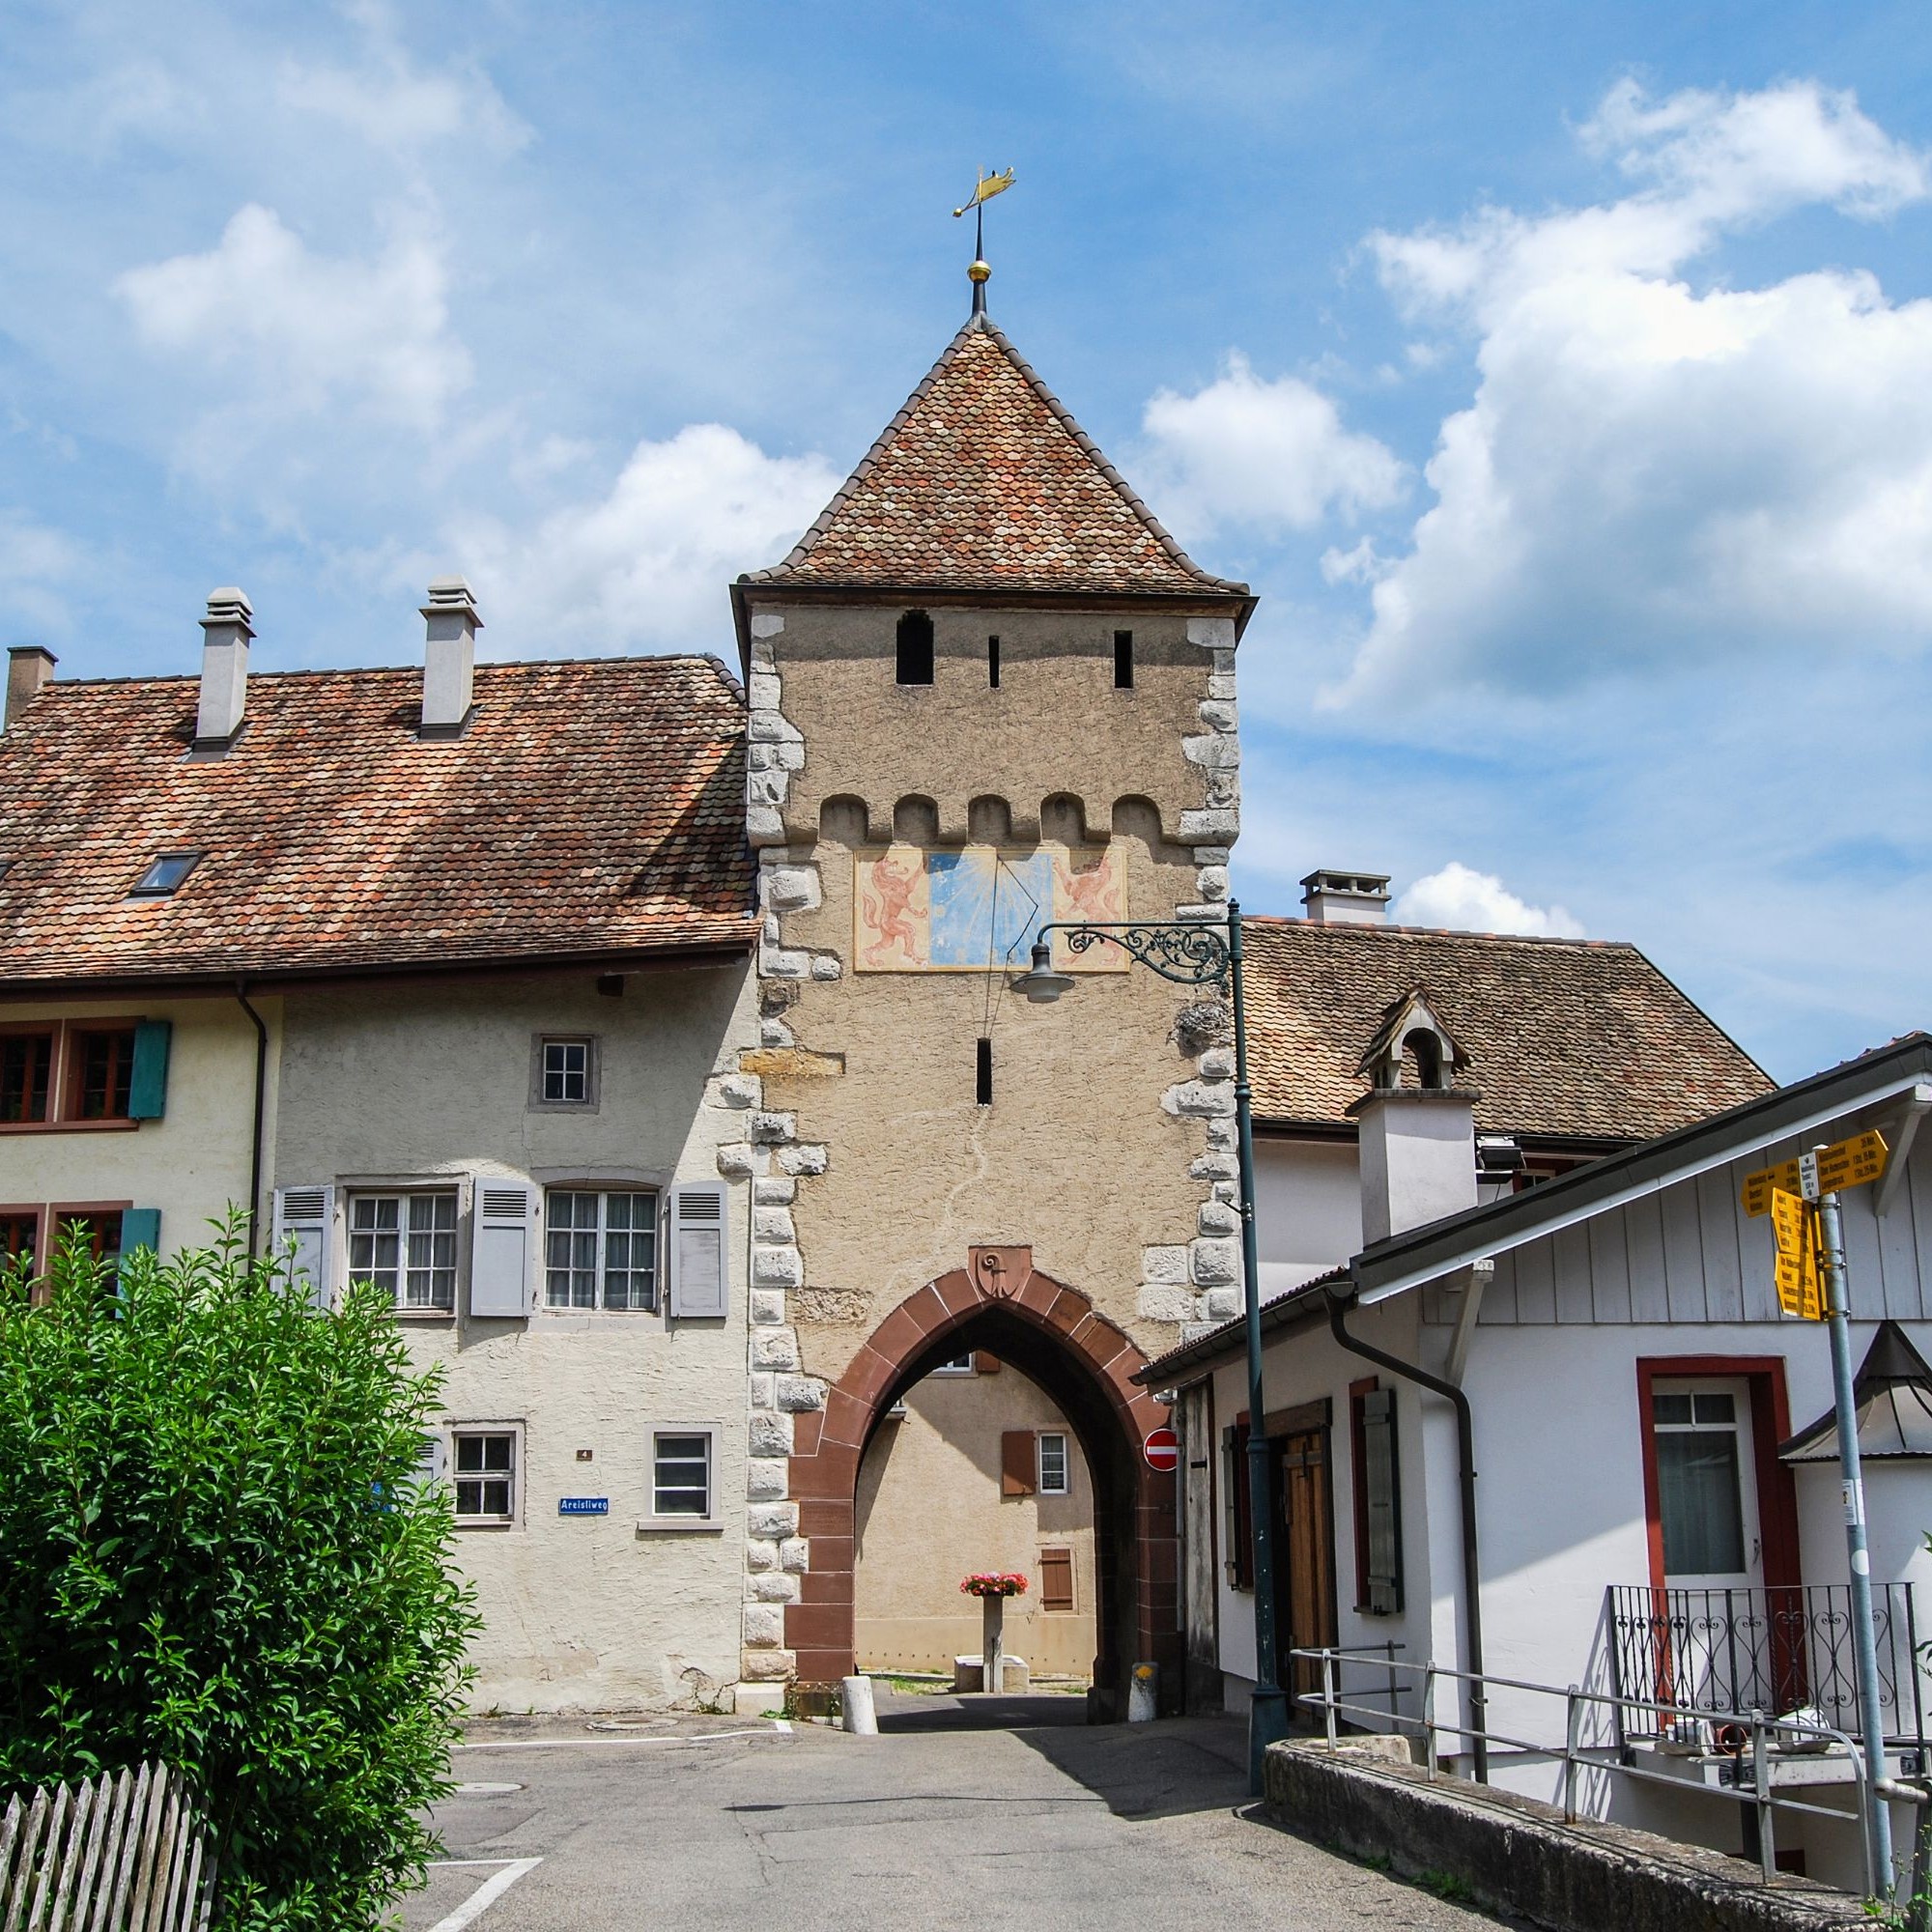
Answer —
(1774, 1650)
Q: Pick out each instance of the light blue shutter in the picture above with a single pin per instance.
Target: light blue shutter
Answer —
(140, 1227)
(700, 1287)
(306, 1216)
(148, 1077)
(500, 1256)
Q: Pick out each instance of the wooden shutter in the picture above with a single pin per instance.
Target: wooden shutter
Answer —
(1056, 1579)
(499, 1251)
(1016, 1463)
(1241, 1553)
(699, 1288)
(148, 1077)
(140, 1227)
(1385, 1502)
(985, 1364)
(306, 1216)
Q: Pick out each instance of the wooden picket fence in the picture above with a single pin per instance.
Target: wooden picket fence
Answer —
(125, 1852)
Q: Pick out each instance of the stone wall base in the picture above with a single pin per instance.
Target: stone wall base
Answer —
(1518, 1856)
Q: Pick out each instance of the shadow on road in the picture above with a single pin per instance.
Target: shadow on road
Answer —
(901, 1711)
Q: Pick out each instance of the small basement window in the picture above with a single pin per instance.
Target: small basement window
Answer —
(486, 1475)
(915, 648)
(164, 876)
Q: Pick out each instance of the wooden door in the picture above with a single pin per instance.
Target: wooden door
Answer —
(1305, 1570)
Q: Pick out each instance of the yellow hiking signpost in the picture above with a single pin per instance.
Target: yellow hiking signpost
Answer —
(1801, 1198)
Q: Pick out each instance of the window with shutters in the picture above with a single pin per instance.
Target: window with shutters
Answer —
(68, 1074)
(1377, 1499)
(1056, 1579)
(1053, 1480)
(684, 1489)
(601, 1248)
(1240, 1547)
(405, 1245)
(486, 1470)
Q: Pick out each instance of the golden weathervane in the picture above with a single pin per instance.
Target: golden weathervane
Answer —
(984, 190)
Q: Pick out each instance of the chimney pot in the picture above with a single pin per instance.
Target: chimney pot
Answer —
(1333, 897)
(30, 668)
(449, 668)
(224, 668)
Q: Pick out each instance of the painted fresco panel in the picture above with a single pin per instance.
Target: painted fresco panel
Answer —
(980, 907)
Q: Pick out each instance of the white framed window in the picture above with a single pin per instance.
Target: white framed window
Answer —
(486, 1471)
(564, 1070)
(684, 1476)
(1052, 1463)
(601, 1248)
(407, 1244)
(959, 1365)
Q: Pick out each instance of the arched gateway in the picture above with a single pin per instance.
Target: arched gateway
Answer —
(986, 692)
(1085, 1363)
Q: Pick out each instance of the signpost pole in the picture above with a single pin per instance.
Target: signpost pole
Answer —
(1831, 1240)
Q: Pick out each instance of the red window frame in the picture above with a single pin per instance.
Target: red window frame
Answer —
(65, 1075)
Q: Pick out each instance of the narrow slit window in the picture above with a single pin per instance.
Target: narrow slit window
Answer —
(983, 1077)
(915, 642)
(1123, 660)
(992, 665)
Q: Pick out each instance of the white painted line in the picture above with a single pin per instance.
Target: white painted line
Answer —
(781, 1724)
(485, 1894)
(606, 1744)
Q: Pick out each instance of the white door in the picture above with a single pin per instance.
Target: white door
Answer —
(1707, 1485)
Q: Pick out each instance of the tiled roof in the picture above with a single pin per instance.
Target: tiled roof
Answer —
(593, 807)
(984, 480)
(1566, 1038)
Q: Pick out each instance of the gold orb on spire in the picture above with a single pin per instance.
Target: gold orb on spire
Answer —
(980, 271)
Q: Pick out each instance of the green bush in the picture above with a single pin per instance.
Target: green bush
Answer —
(216, 1550)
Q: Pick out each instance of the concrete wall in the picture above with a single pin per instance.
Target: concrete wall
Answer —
(579, 1612)
(193, 1163)
(930, 1511)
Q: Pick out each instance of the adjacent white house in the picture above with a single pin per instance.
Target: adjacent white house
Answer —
(1650, 1451)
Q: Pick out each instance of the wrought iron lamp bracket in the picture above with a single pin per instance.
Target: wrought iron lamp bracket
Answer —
(1187, 952)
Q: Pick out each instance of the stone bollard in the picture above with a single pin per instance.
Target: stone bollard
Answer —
(855, 1699)
(1142, 1695)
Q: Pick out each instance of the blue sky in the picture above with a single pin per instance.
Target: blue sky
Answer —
(1560, 377)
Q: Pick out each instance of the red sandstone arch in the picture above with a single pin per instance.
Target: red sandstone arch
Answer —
(1087, 1362)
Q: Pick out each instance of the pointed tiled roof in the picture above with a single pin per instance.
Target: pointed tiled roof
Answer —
(983, 480)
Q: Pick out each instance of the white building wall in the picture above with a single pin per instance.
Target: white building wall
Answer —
(579, 1611)
(1308, 1210)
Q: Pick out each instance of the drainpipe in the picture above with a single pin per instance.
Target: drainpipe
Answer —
(255, 1142)
(1466, 1449)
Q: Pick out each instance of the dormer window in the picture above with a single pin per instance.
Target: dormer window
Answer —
(1413, 1037)
(163, 878)
(915, 648)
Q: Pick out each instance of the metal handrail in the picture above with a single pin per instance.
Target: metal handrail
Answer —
(1573, 1753)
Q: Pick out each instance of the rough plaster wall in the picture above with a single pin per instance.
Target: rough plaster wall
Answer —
(579, 1612)
(930, 1510)
(193, 1163)
(1109, 1146)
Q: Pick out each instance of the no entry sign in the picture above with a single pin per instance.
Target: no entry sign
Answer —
(1162, 1449)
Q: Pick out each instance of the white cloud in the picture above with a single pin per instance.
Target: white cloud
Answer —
(306, 332)
(1271, 456)
(646, 565)
(36, 564)
(1653, 474)
(1465, 900)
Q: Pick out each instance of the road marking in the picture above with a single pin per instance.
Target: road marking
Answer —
(606, 1744)
(482, 1791)
(487, 1893)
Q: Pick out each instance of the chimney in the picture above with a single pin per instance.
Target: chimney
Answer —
(1330, 897)
(1417, 1143)
(450, 666)
(224, 668)
(29, 668)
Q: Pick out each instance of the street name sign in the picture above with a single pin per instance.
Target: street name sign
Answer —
(584, 1505)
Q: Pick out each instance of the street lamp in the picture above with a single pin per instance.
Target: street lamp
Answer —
(1195, 954)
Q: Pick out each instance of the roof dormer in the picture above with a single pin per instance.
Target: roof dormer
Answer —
(1413, 1048)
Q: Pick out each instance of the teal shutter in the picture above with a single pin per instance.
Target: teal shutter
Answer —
(148, 1084)
(140, 1227)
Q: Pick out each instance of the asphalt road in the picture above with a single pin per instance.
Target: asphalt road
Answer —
(967, 1812)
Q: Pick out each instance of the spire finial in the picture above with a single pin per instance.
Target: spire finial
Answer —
(979, 271)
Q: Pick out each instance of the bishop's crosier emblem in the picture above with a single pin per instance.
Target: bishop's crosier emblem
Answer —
(980, 271)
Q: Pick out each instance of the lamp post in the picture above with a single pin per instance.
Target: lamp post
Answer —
(1194, 953)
